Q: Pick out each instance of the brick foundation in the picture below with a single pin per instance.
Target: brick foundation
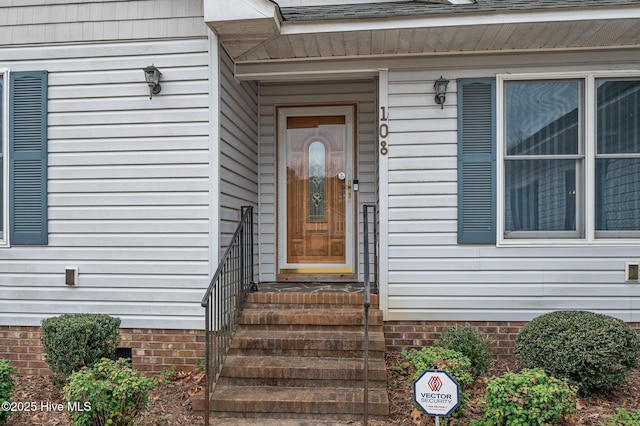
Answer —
(152, 350)
(405, 335)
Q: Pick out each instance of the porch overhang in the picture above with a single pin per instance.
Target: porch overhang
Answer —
(259, 32)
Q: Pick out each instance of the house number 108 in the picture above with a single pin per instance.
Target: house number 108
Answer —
(383, 132)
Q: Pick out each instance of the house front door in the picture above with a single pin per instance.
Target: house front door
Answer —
(315, 191)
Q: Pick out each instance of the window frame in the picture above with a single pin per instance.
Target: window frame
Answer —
(588, 203)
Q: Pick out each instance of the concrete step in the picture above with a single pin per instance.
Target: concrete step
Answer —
(285, 371)
(306, 343)
(296, 402)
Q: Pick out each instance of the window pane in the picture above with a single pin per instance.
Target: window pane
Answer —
(540, 195)
(317, 174)
(617, 194)
(542, 118)
(618, 116)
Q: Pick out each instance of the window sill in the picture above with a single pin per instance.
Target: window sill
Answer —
(600, 242)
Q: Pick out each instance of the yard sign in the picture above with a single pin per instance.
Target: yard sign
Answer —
(437, 393)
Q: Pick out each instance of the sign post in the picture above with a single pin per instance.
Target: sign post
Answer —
(437, 393)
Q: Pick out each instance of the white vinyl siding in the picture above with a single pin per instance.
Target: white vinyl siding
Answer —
(65, 21)
(238, 123)
(363, 93)
(431, 276)
(128, 191)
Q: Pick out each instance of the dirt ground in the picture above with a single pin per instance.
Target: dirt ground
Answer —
(170, 405)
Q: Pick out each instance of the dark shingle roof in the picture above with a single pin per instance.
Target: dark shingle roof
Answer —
(416, 8)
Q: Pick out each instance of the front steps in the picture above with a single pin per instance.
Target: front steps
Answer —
(300, 356)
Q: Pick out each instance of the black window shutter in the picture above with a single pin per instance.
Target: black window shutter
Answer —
(476, 161)
(28, 158)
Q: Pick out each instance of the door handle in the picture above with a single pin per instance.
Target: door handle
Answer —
(349, 188)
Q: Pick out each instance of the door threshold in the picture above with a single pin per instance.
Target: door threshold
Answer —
(311, 287)
(315, 278)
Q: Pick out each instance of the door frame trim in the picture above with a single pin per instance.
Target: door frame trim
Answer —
(285, 272)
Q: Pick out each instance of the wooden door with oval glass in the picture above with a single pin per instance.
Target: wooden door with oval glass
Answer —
(315, 192)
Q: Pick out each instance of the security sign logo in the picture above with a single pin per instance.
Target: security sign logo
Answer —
(437, 393)
(435, 384)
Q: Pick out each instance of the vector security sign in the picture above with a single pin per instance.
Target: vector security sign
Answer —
(437, 393)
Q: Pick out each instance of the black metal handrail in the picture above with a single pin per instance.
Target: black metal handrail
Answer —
(367, 293)
(225, 298)
(370, 219)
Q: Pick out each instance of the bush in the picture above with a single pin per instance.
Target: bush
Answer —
(74, 341)
(594, 351)
(470, 342)
(6, 387)
(110, 393)
(449, 360)
(625, 418)
(528, 398)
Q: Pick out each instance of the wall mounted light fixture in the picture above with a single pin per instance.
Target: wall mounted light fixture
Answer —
(441, 91)
(152, 76)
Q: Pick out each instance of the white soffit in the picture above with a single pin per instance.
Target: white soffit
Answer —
(253, 30)
(242, 23)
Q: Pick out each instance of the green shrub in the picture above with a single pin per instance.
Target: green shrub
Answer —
(470, 342)
(6, 387)
(625, 418)
(528, 398)
(449, 360)
(74, 341)
(110, 393)
(594, 351)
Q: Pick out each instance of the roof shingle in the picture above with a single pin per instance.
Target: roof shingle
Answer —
(417, 8)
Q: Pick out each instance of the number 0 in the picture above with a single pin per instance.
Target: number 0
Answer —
(384, 130)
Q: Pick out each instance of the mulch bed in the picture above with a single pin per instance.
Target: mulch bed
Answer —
(170, 405)
(590, 411)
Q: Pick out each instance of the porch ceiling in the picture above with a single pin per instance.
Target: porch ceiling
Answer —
(424, 28)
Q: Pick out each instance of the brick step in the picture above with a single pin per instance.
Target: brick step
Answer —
(300, 300)
(308, 319)
(301, 372)
(306, 343)
(296, 402)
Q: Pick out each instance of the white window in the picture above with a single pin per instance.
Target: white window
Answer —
(568, 158)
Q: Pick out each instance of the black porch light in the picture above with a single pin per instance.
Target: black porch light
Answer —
(152, 76)
(441, 91)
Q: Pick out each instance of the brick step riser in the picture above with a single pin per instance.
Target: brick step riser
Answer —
(309, 327)
(321, 299)
(375, 382)
(303, 418)
(377, 372)
(309, 306)
(310, 343)
(373, 353)
(296, 409)
(329, 315)
(297, 318)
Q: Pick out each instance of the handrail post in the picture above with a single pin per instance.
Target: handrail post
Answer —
(207, 373)
(376, 288)
(367, 303)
